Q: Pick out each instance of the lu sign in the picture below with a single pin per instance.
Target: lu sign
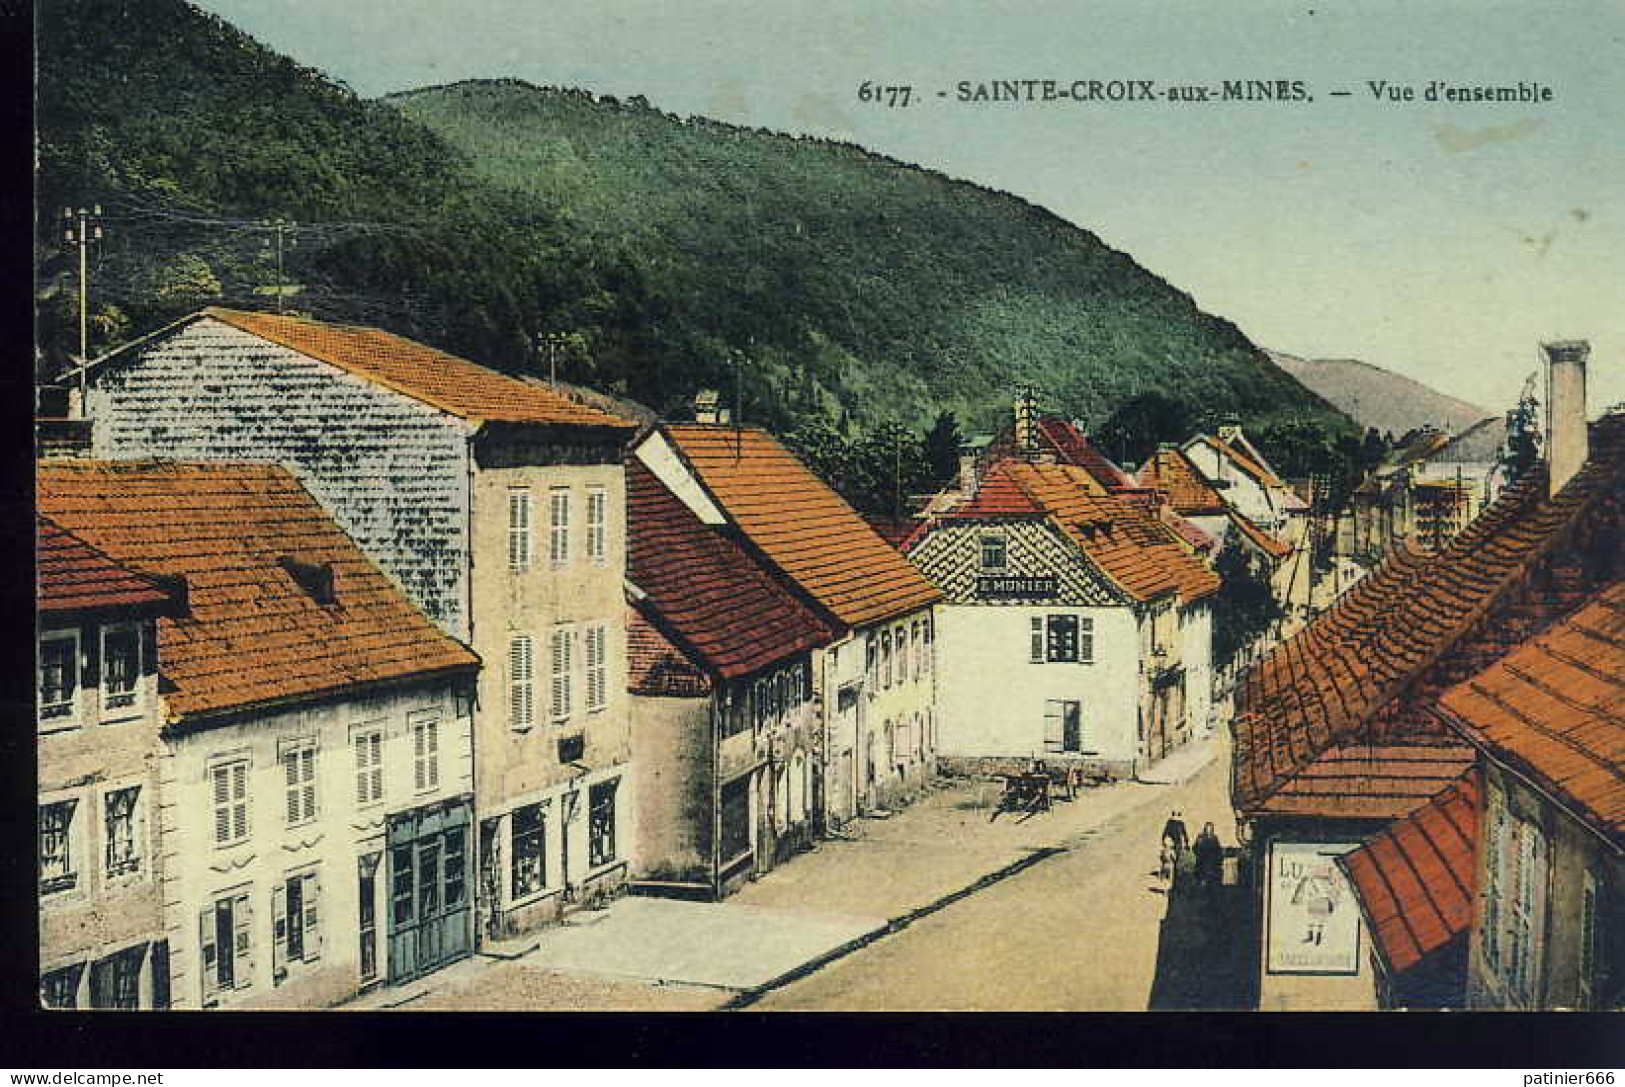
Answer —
(1015, 588)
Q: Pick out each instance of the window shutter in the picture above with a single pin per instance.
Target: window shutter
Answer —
(1086, 639)
(376, 742)
(307, 765)
(208, 958)
(518, 530)
(222, 803)
(521, 684)
(290, 766)
(432, 755)
(279, 931)
(239, 796)
(243, 935)
(1036, 650)
(417, 757)
(361, 769)
(313, 926)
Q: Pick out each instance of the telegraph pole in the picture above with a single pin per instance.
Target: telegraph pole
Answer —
(554, 342)
(81, 228)
(281, 227)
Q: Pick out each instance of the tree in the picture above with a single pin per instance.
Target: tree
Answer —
(1133, 432)
(942, 445)
(1244, 608)
(1522, 450)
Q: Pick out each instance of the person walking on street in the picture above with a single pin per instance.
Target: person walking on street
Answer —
(1172, 846)
(1209, 856)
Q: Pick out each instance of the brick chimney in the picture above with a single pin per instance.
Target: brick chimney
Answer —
(967, 474)
(1566, 442)
(1026, 432)
(707, 407)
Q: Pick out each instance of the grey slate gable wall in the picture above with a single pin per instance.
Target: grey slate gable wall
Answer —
(951, 556)
(393, 472)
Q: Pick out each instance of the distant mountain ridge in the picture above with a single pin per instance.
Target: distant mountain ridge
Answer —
(1374, 397)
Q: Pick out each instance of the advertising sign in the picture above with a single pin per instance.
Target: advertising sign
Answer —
(1312, 922)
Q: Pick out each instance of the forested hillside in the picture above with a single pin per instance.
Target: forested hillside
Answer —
(848, 288)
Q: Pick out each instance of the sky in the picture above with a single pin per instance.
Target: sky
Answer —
(1441, 240)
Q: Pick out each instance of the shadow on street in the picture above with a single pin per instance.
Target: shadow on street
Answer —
(1207, 951)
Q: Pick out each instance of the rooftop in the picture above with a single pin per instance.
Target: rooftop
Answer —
(1131, 547)
(729, 615)
(800, 525)
(73, 576)
(1367, 670)
(1554, 709)
(1416, 880)
(239, 534)
(1261, 472)
(655, 666)
(1169, 470)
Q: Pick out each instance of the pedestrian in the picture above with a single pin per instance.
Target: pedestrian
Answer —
(1173, 833)
(1209, 856)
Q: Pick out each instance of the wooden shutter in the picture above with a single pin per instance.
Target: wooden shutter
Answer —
(518, 530)
(561, 672)
(521, 681)
(290, 764)
(362, 762)
(1035, 651)
(418, 740)
(222, 803)
(279, 932)
(239, 800)
(208, 967)
(431, 753)
(243, 940)
(313, 925)
(1086, 639)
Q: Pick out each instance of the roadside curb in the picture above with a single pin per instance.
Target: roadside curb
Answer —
(746, 997)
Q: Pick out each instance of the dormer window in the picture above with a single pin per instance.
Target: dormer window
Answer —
(993, 551)
(316, 580)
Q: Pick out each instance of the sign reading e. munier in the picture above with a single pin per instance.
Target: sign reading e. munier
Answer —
(1313, 921)
(1015, 588)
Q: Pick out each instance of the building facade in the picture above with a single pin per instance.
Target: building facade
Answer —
(102, 939)
(311, 748)
(498, 505)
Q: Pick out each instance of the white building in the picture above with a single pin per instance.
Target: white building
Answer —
(1077, 628)
(875, 683)
(315, 768)
(498, 507)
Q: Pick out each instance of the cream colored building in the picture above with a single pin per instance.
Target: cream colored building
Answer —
(498, 507)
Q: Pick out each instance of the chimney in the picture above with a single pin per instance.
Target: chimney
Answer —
(1229, 432)
(707, 407)
(1566, 443)
(1026, 423)
(967, 474)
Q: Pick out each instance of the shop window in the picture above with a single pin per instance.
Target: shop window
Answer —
(60, 988)
(115, 982)
(529, 853)
(601, 823)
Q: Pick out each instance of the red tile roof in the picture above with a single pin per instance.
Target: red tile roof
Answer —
(1416, 881)
(1132, 548)
(71, 575)
(802, 526)
(1274, 548)
(895, 532)
(1071, 446)
(996, 496)
(729, 614)
(1367, 670)
(251, 635)
(656, 667)
(1197, 539)
(1171, 472)
(1554, 709)
(451, 384)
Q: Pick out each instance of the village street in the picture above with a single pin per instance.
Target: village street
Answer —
(937, 907)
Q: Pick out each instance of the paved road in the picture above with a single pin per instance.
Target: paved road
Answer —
(1082, 931)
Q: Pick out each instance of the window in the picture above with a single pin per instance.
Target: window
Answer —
(558, 533)
(529, 851)
(1063, 726)
(926, 625)
(60, 988)
(885, 657)
(1494, 858)
(597, 511)
(735, 818)
(560, 640)
(369, 765)
(56, 850)
(121, 665)
(914, 649)
(519, 529)
(367, 905)
(58, 677)
(1061, 638)
(993, 552)
(122, 840)
(521, 686)
(871, 667)
(425, 749)
(905, 741)
(226, 938)
(115, 982)
(1589, 944)
(295, 923)
(597, 667)
(299, 780)
(601, 823)
(1528, 912)
(230, 787)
